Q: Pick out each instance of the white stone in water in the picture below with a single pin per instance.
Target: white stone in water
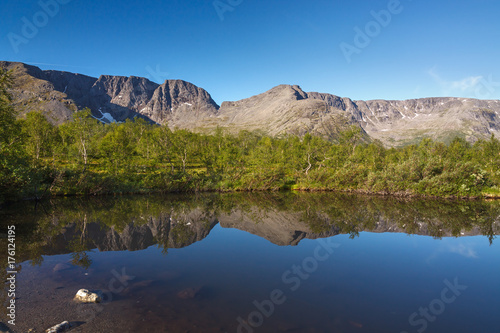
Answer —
(62, 327)
(85, 296)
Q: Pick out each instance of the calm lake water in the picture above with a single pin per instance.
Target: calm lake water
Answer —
(279, 262)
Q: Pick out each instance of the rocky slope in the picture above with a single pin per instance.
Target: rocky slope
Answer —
(288, 109)
(403, 122)
(282, 109)
(111, 98)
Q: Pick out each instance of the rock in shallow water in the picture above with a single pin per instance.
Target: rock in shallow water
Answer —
(189, 293)
(62, 327)
(4, 328)
(85, 296)
(62, 267)
(137, 286)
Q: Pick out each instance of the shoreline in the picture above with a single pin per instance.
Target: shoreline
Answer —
(386, 194)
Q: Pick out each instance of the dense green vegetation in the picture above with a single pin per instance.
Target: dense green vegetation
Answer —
(86, 157)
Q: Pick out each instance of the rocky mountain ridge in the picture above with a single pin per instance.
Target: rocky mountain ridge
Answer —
(111, 98)
(282, 109)
(289, 109)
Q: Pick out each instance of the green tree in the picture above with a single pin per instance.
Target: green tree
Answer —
(8, 123)
(162, 145)
(39, 134)
(14, 171)
(186, 147)
(116, 146)
(81, 135)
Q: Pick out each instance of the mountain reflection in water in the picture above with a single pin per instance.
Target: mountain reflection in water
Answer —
(59, 245)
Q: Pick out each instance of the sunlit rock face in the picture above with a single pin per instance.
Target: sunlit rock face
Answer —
(284, 109)
(288, 109)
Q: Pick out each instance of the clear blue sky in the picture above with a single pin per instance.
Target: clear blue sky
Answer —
(429, 48)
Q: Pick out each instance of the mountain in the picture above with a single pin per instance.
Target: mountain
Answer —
(58, 94)
(404, 122)
(289, 109)
(280, 110)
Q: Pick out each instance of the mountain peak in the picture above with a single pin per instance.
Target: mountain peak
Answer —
(61, 93)
(282, 109)
(294, 90)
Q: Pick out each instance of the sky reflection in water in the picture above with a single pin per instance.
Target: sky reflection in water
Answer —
(227, 258)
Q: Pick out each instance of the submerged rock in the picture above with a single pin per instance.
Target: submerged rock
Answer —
(61, 267)
(85, 296)
(189, 293)
(355, 324)
(62, 327)
(4, 328)
(137, 286)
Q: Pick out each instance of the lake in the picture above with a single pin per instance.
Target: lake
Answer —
(256, 262)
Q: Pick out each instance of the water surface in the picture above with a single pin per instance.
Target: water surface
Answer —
(282, 262)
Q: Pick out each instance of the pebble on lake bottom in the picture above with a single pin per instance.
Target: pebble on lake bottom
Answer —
(85, 296)
(62, 327)
(189, 293)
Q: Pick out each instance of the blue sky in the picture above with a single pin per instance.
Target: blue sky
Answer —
(238, 48)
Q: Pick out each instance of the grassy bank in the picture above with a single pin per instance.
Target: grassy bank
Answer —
(161, 160)
(86, 157)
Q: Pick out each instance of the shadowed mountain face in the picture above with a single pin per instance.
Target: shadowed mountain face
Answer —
(283, 109)
(59, 94)
(135, 223)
